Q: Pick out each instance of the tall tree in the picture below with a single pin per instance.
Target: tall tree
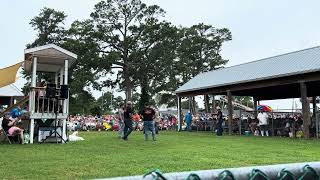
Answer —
(119, 25)
(49, 26)
(199, 50)
(152, 71)
(106, 101)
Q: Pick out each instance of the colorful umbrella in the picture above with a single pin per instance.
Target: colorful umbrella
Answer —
(264, 108)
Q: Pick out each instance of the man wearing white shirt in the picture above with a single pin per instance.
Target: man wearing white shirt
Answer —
(263, 122)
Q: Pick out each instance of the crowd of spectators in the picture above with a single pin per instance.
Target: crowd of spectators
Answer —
(278, 124)
(111, 122)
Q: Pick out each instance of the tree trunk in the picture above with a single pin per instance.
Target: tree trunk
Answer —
(127, 84)
(129, 93)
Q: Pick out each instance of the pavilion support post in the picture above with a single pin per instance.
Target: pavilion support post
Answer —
(206, 103)
(305, 109)
(315, 118)
(213, 104)
(32, 96)
(255, 107)
(190, 104)
(272, 127)
(230, 111)
(240, 122)
(193, 105)
(179, 114)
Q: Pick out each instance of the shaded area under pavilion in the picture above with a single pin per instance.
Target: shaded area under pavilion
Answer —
(291, 75)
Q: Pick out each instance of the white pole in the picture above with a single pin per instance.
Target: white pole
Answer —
(61, 76)
(102, 103)
(66, 64)
(32, 96)
(56, 79)
(111, 100)
(66, 102)
(179, 113)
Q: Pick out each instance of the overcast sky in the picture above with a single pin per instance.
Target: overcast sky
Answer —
(260, 28)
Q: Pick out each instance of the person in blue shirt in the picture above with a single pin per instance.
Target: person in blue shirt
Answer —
(188, 119)
(16, 112)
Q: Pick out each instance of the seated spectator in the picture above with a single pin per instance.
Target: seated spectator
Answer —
(253, 124)
(9, 126)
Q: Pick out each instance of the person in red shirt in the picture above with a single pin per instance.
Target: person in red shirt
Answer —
(148, 115)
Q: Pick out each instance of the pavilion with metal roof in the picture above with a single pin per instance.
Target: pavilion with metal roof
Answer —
(291, 75)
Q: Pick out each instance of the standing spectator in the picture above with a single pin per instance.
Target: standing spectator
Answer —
(174, 123)
(148, 115)
(263, 122)
(121, 121)
(219, 121)
(188, 120)
(157, 121)
(128, 114)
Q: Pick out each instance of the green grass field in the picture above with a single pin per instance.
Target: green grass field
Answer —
(102, 154)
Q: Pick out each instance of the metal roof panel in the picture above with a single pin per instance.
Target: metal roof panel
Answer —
(297, 62)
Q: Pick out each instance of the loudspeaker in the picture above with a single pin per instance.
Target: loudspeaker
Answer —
(64, 91)
(51, 91)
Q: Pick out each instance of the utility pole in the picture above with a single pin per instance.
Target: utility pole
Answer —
(111, 100)
(102, 104)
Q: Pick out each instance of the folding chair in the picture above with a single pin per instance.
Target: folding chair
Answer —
(6, 137)
(9, 137)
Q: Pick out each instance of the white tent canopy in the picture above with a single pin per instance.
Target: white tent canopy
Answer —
(10, 91)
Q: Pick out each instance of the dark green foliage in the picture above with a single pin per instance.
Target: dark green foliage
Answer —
(49, 25)
(131, 40)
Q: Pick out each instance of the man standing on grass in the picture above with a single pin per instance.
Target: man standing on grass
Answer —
(148, 115)
(263, 122)
(128, 114)
(219, 121)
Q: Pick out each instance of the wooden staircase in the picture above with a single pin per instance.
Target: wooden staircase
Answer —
(22, 101)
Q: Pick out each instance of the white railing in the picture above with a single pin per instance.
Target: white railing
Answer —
(42, 104)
